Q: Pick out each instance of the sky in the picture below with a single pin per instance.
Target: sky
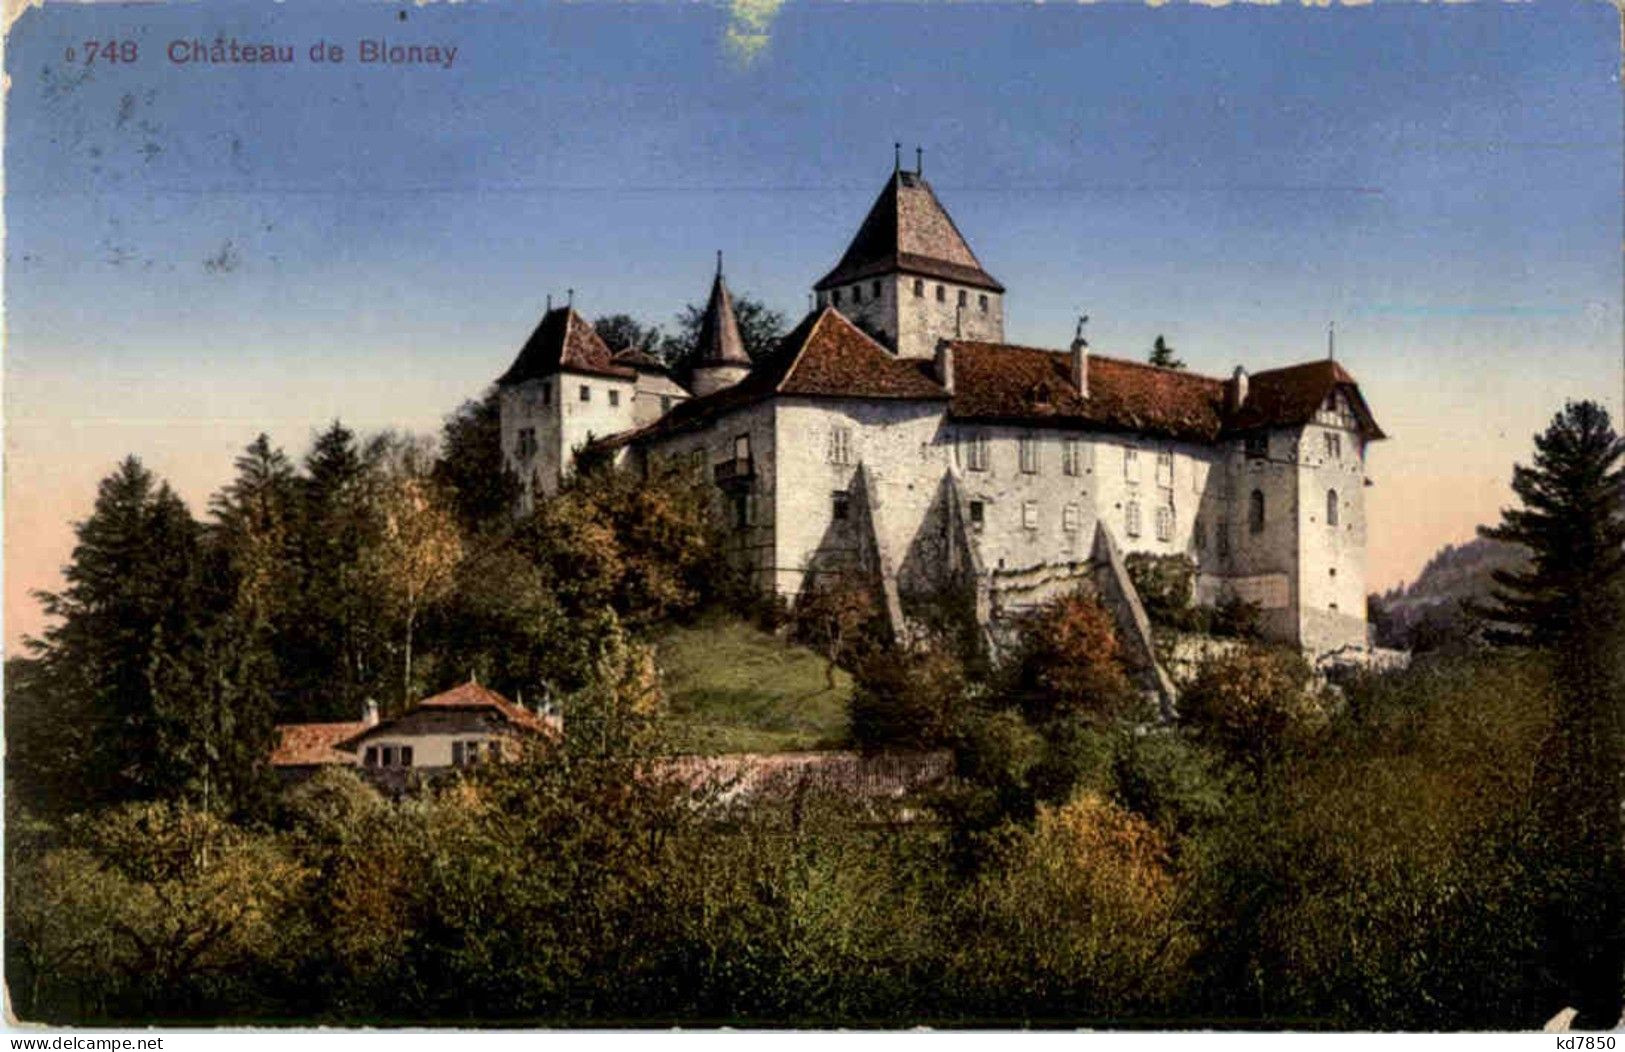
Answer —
(199, 252)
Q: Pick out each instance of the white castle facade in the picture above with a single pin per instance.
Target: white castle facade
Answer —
(894, 433)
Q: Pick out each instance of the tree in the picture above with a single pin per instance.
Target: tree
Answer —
(1254, 703)
(1163, 355)
(471, 467)
(830, 614)
(130, 586)
(760, 329)
(620, 331)
(1570, 602)
(1067, 663)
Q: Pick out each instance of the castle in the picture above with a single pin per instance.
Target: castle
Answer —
(895, 433)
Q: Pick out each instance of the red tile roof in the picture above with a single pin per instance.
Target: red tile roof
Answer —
(471, 696)
(563, 340)
(313, 744)
(997, 382)
(907, 229)
(824, 356)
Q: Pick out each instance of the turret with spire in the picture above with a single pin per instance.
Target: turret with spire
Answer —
(719, 360)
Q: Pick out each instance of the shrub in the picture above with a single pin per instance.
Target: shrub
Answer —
(1253, 703)
(909, 699)
(1067, 663)
(1166, 584)
(1237, 618)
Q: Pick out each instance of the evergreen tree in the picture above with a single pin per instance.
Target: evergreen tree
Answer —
(1163, 355)
(131, 586)
(1570, 603)
(471, 468)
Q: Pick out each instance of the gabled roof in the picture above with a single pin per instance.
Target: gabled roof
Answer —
(563, 341)
(825, 356)
(997, 382)
(467, 697)
(313, 744)
(719, 342)
(1293, 394)
(907, 229)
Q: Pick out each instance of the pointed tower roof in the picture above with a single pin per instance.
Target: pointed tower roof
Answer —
(907, 229)
(720, 343)
(563, 341)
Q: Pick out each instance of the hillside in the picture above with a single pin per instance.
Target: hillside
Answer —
(1429, 610)
(735, 688)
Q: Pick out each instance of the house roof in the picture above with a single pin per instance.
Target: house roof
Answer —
(564, 341)
(719, 342)
(997, 382)
(466, 697)
(907, 229)
(824, 356)
(313, 744)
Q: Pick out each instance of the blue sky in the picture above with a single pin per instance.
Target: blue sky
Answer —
(198, 253)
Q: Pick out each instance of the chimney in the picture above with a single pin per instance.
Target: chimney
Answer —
(1080, 363)
(945, 365)
(1235, 392)
(369, 713)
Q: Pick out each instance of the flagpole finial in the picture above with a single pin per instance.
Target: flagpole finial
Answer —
(919, 160)
(896, 157)
(719, 262)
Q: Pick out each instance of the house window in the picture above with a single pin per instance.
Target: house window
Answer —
(1165, 523)
(372, 756)
(1331, 507)
(919, 288)
(874, 290)
(1069, 518)
(1334, 446)
(1069, 456)
(841, 505)
(1131, 465)
(469, 753)
(406, 756)
(1255, 512)
(1131, 518)
(942, 294)
(1028, 447)
(840, 445)
(836, 297)
(1258, 446)
(586, 393)
(615, 398)
(982, 302)
(527, 443)
(976, 452)
(977, 513)
(1029, 515)
(963, 297)
(1165, 469)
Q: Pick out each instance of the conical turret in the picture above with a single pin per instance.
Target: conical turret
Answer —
(720, 359)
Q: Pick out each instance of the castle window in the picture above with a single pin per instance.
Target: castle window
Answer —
(976, 451)
(857, 295)
(1069, 456)
(742, 449)
(586, 393)
(1331, 507)
(1221, 537)
(840, 445)
(982, 302)
(1199, 535)
(741, 511)
(1255, 512)
(1029, 515)
(977, 513)
(527, 443)
(615, 398)
(919, 288)
(874, 289)
(1258, 446)
(963, 298)
(1165, 523)
(942, 294)
(840, 505)
(1131, 464)
(1165, 469)
(1131, 518)
(547, 394)
(1334, 446)
(1028, 447)
(1069, 518)
(835, 297)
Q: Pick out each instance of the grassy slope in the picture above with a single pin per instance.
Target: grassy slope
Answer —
(735, 688)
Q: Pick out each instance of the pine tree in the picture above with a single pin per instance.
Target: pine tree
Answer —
(1163, 355)
(471, 468)
(1570, 604)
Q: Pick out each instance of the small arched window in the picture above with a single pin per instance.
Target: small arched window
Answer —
(1255, 512)
(1331, 507)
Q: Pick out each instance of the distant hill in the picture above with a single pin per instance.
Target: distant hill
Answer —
(1428, 614)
